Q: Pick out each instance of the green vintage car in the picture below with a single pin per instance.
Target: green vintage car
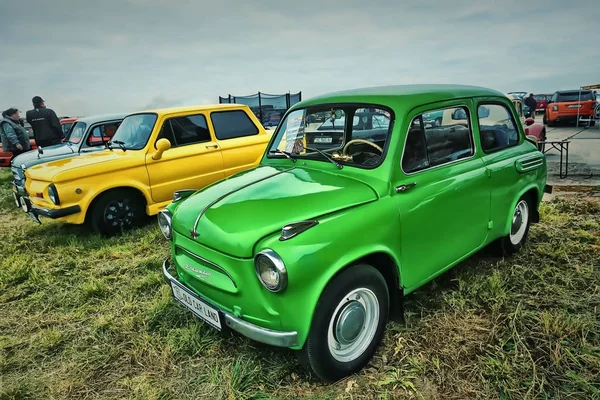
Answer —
(314, 249)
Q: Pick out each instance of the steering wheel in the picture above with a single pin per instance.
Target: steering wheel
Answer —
(360, 141)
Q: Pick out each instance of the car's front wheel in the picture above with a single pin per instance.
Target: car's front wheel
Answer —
(116, 211)
(348, 323)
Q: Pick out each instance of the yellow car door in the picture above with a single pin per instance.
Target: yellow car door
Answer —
(241, 138)
(193, 161)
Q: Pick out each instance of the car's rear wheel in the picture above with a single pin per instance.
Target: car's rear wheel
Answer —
(348, 323)
(117, 211)
(519, 227)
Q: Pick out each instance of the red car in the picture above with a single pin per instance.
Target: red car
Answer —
(542, 101)
(5, 156)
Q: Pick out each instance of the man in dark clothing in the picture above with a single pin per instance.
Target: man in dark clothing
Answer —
(12, 135)
(531, 102)
(45, 124)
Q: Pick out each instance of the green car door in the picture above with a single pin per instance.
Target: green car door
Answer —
(512, 162)
(442, 195)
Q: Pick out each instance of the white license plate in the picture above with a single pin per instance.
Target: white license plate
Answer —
(198, 307)
(575, 106)
(323, 140)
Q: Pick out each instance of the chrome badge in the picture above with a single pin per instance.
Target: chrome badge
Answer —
(198, 271)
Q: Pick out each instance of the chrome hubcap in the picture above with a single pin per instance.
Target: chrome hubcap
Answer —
(519, 222)
(353, 325)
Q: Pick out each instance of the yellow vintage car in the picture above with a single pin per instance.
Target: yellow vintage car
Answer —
(153, 154)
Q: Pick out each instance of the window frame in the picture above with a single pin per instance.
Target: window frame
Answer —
(496, 102)
(356, 105)
(233, 110)
(175, 145)
(90, 129)
(420, 115)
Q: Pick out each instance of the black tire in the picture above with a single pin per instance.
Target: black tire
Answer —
(316, 355)
(507, 245)
(125, 206)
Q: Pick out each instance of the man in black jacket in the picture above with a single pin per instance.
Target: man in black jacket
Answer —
(45, 124)
(531, 102)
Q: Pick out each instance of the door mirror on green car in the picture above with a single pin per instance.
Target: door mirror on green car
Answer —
(161, 146)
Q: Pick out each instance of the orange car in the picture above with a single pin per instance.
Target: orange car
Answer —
(569, 105)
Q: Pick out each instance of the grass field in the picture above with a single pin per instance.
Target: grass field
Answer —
(82, 317)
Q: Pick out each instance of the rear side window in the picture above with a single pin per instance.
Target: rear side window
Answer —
(182, 131)
(567, 97)
(497, 128)
(232, 124)
(438, 137)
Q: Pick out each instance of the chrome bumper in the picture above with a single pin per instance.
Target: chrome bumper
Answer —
(254, 332)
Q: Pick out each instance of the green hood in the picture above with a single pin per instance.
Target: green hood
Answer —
(239, 211)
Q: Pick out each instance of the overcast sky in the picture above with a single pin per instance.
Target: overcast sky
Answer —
(87, 57)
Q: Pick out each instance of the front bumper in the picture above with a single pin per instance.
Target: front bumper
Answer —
(28, 207)
(254, 332)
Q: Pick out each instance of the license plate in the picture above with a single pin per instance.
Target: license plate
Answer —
(323, 140)
(197, 306)
(575, 106)
(17, 200)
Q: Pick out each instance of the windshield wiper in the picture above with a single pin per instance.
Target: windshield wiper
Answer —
(327, 156)
(120, 143)
(285, 153)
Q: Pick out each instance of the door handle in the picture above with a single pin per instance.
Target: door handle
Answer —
(211, 146)
(404, 188)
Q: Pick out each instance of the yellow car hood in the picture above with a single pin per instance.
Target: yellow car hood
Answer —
(48, 171)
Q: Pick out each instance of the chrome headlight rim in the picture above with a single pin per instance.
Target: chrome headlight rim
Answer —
(279, 267)
(53, 194)
(168, 218)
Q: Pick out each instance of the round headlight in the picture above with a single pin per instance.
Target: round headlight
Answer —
(164, 223)
(53, 194)
(270, 270)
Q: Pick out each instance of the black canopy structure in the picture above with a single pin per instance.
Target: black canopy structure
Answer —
(268, 108)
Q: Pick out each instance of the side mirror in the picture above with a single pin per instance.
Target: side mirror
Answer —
(459, 114)
(161, 146)
(529, 121)
(483, 112)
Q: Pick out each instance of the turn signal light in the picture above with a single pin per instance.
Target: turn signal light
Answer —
(39, 194)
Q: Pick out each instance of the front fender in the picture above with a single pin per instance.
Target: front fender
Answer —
(315, 256)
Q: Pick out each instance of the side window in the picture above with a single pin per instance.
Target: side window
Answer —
(497, 127)
(101, 133)
(181, 131)
(232, 124)
(437, 137)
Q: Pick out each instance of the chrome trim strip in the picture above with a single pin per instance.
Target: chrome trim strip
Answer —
(217, 267)
(254, 332)
(231, 192)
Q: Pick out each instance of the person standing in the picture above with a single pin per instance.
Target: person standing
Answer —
(12, 134)
(45, 124)
(531, 102)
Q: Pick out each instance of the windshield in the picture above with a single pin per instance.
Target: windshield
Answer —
(134, 131)
(75, 135)
(350, 135)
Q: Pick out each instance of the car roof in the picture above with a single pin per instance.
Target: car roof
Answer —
(92, 119)
(201, 107)
(402, 96)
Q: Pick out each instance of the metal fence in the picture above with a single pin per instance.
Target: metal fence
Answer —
(268, 108)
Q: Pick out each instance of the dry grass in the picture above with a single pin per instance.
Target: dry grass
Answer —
(83, 317)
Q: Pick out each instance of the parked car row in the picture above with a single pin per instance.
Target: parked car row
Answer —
(311, 237)
(5, 156)
(565, 106)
